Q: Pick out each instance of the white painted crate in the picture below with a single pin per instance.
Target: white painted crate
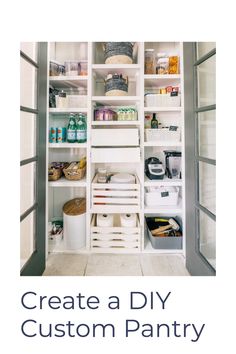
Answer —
(115, 197)
(103, 155)
(115, 137)
(115, 239)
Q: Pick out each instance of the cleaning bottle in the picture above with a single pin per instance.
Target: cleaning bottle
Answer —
(81, 129)
(71, 129)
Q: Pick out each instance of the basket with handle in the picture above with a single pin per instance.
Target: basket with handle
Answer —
(75, 171)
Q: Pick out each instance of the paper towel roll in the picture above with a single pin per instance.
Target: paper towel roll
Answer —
(105, 220)
(128, 221)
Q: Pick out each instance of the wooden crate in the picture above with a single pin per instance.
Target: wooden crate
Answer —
(115, 239)
(115, 197)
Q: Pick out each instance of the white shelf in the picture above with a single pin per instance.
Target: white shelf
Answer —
(67, 145)
(68, 81)
(161, 209)
(162, 182)
(63, 182)
(161, 80)
(114, 100)
(101, 70)
(67, 110)
(164, 144)
(162, 109)
(116, 122)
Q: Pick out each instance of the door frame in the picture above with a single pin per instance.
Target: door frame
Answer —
(195, 261)
(36, 263)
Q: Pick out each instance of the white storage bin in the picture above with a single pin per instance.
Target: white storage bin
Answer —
(162, 100)
(155, 196)
(115, 197)
(162, 135)
(115, 239)
(77, 101)
(115, 137)
(100, 155)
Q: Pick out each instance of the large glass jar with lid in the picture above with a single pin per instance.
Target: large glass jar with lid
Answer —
(149, 66)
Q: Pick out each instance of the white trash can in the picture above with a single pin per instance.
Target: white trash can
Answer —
(74, 223)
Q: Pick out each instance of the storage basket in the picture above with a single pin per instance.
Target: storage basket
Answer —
(163, 135)
(55, 170)
(73, 172)
(155, 196)
(162, 100)
(118, 53)
(168, 242)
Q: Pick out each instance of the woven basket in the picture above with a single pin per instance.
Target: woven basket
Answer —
(74, 174)
(54, 174)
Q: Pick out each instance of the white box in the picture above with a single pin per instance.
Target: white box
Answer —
(162, 100)
(115, 137)
(77, 101)
(100, 155)
(155, 196)
(162, 135)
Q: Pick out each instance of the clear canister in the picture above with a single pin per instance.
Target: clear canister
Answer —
(149, 67)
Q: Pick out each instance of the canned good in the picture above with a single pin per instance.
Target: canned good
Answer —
(163, 91)
(53, 135)
(61, 134)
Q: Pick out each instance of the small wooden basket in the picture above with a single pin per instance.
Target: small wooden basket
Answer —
(73, 172)
(55, 170)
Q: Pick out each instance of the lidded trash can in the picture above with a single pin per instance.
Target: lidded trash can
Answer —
(74, 221)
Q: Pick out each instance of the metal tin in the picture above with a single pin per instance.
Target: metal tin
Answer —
(53, 135)
(61, 134)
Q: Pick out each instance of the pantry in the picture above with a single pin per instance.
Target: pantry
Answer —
(127, 157)
(117, 89)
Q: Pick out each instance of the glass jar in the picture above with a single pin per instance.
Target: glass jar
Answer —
(102, 175)
(149, 67)
(162, 66)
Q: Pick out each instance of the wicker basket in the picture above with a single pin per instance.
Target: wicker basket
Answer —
(73, 172)
(55, 170)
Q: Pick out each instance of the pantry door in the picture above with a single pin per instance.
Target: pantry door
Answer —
(200, 161)
(33, 102)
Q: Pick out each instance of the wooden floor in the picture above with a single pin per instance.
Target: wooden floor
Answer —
(115, 265)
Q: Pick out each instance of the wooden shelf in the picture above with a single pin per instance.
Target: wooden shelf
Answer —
(67, 110)
(161, 80)
(116, 122)
(161, 209)
(162, 109)
(63, 182)
(67, 145)
(68, 81)
(101, 70)
(116, 100)
(162, 182)
(164, 144)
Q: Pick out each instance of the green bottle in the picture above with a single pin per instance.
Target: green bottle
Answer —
(81, 129)
(71, 129)
(154, 122)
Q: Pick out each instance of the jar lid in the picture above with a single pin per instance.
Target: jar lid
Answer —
(161, 55)
(102, 170)
(76, 206)
(149, 50)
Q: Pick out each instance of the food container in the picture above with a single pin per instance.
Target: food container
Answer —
(105, 114)
(61, 70)
(61, 134)
(118, 53)
(72, 68)
(162, 100)
(74, 171)
(116, 85)
(53, 68)
(61, 100)
(74, 221)
(84, 67)
(53, 135)
(174, 64)
(102, 175)
(162, 66)
(55, 170)
(127, 114)
(149, 67)
(155, 196)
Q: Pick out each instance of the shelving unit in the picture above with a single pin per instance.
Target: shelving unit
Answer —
(129, 159)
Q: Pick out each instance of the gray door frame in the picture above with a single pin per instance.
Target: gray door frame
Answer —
(36, 263)
(195, 262)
